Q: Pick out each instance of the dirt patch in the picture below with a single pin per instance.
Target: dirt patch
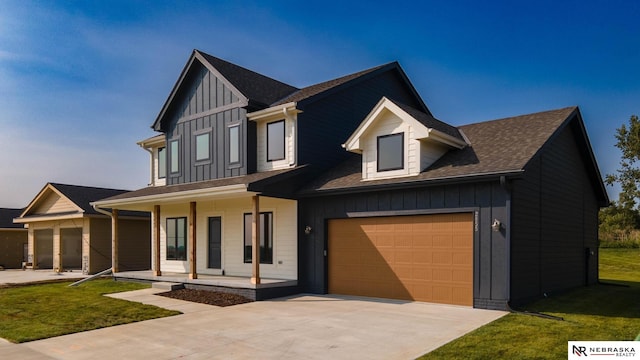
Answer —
(207, 297)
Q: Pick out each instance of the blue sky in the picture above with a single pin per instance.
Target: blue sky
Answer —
(82, 81)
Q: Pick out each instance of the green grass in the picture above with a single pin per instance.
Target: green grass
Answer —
(599, 312)
(46, 310)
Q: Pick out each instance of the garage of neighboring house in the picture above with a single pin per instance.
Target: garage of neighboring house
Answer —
(66, 233)
(420, 257)
(13, 240)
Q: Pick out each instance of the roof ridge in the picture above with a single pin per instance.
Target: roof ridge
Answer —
(573, 108)
(85, 186)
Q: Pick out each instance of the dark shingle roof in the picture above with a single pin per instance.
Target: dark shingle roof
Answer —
(254, 86)
(84, 195)
(7, 216)
(498, 146)
(316, 89)
(429, 121)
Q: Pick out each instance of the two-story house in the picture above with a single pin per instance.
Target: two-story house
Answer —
(351, 186)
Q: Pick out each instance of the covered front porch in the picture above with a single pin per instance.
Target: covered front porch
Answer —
(215, 234)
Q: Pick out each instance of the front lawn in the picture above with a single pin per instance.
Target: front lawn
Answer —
(599, 312)
(46, 310)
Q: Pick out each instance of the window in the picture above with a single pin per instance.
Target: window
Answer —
(174, 154)
(266, 237)
(234, 144)
(162, 163)
(203, 149)
(275, 141)
(177, 238)
(391, 152)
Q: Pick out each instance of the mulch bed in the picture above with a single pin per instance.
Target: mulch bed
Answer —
(207, 297)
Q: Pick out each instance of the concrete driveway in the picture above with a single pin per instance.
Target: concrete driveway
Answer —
(14, 276)
(304, 326)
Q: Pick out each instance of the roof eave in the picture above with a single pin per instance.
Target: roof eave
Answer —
(367, 187)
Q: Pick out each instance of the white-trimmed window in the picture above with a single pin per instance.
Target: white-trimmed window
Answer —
(390, 149)
(275, 141)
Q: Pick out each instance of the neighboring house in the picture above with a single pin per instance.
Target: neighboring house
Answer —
(13, 240)
(66, 233)
(352, 187)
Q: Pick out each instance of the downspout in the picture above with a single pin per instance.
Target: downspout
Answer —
(293, 134)
(153, 170)
(507, 188)
(101, 211)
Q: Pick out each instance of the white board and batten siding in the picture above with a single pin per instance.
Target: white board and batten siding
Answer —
(52, 203)
(389, 124)
(285, 249)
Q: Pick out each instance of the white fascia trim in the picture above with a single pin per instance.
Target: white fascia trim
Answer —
(353, 142)
(175, 197)
(442, 138)
(273, 113)
(27, 220)
(155, 141)
(420, 130)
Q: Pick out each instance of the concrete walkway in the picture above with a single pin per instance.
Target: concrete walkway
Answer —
(305, 326)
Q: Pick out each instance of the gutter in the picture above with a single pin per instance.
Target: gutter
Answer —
(174, 196)
(101, 211)
(506, 186)
(366, 187)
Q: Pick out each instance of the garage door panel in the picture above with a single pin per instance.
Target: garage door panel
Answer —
(425, 257)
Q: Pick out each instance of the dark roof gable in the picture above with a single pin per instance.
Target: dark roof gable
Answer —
(312, 92)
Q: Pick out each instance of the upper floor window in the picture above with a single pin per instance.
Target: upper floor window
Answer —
(162, 163)
(391, 152)
(203, 146)
(275, 141)
(174, 156)
(234, 144)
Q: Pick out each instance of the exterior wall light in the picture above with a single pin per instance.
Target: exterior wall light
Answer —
(307, 229)
(496, 226)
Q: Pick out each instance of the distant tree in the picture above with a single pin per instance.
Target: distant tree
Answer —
(617, 221)
(628, 175)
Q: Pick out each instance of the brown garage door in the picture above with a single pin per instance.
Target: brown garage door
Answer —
(424, 257)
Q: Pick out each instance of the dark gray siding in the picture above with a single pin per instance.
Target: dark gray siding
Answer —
(486, 200)
(207, 104)
(555, 219)
(325, 124)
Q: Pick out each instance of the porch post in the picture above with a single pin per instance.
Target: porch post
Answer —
(32, 256)
(156, 240)
(192, 241)
(255, 241)
(57, 249)
(114, 241)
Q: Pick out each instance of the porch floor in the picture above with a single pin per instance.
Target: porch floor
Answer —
(236, 282)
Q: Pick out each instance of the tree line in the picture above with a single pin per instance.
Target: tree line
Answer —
(619, 224)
